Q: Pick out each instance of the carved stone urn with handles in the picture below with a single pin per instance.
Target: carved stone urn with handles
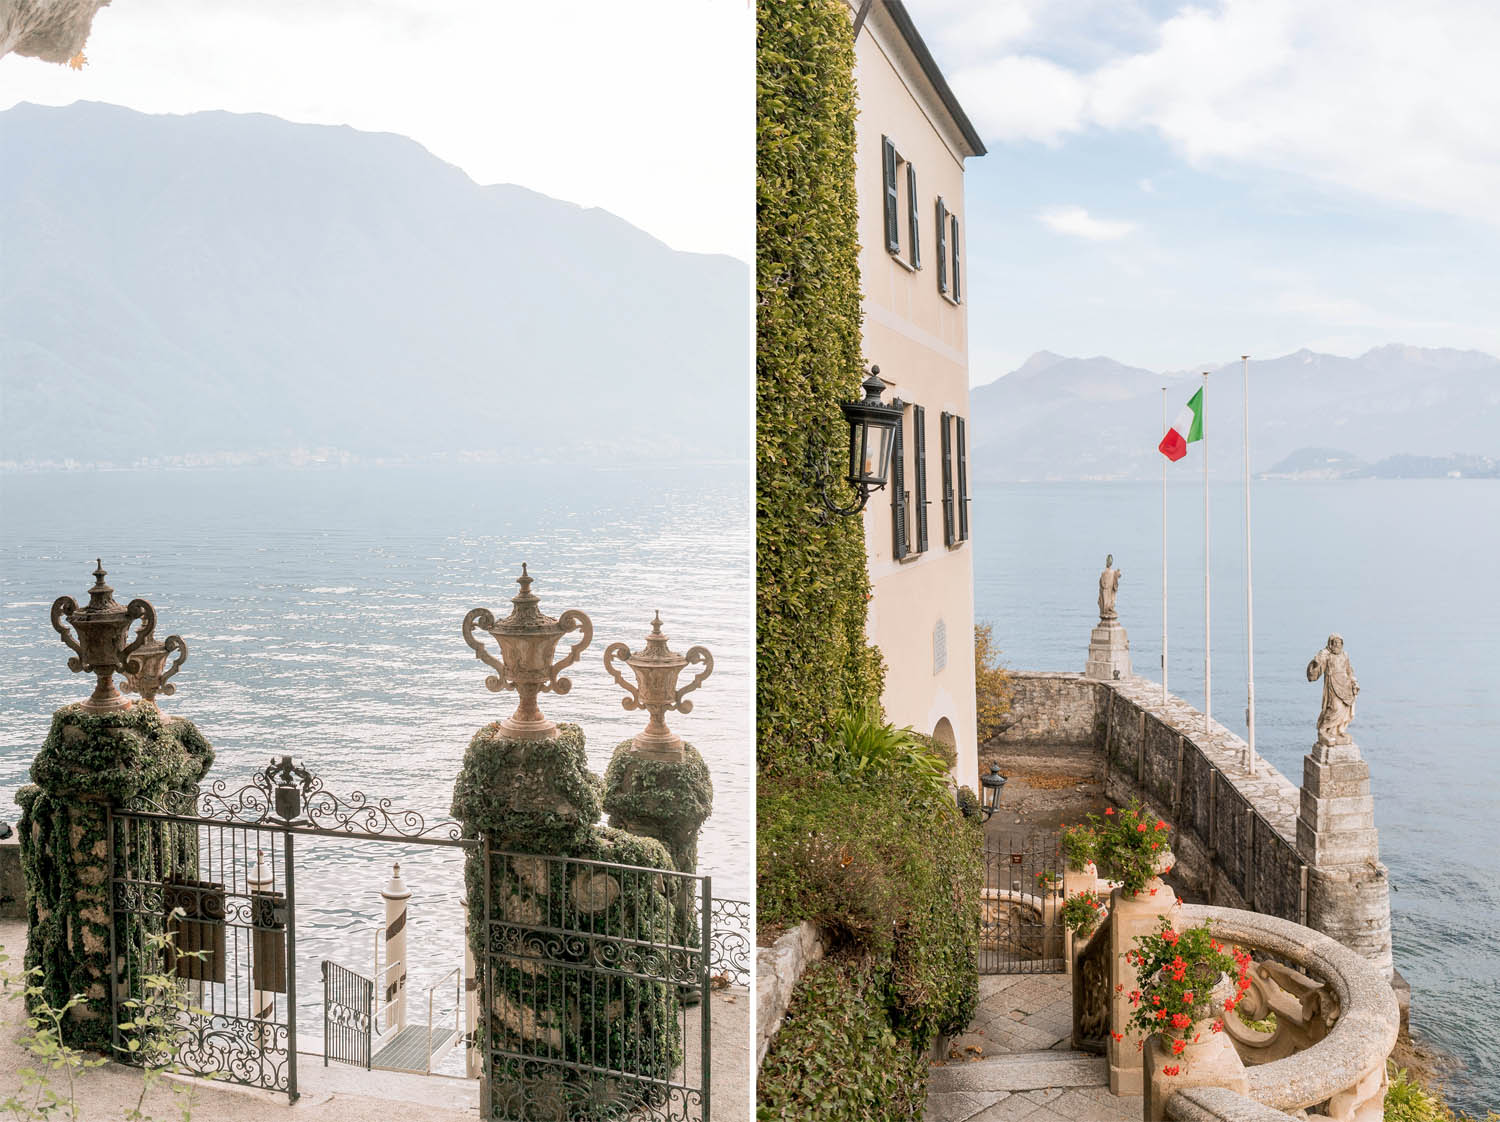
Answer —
(528, 643)
(99, 638)
(147, 672)
(657, 668)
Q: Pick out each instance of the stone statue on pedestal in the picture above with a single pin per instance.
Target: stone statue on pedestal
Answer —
(1339, 691)
(1109, 584)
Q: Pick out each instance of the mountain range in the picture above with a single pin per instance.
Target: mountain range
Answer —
(223, 287)
(1395, 410)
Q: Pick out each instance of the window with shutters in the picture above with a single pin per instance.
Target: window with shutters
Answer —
(945, 448)
(911, 217)
(919, 465)
(963, 480)
(899, 542)
(941, 225)
(890, 166)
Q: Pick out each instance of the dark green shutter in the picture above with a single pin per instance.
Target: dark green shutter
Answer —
(942, 246)
(911, 213)
(957, 290)
(899, 543)
(892, 201)
(945, 446)
(963, 482)
(919, 454)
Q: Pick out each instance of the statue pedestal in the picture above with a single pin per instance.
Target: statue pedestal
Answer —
(1348, 890)
(1109, 652)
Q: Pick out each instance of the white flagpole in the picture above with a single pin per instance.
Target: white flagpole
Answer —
(1208, 674)
(1164, 553)
(1249, 593)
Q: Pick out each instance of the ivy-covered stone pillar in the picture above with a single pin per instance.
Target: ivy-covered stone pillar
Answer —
(89, 763)
(578, 987)
(553, 916)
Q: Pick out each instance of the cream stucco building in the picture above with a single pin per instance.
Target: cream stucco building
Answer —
(912, 140)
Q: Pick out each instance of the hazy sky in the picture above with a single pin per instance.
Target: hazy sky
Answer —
(645, 109)
(1171, 184)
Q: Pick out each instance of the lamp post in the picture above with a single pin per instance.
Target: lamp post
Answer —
(991, 785)
(528, 641)
(872, 428)
(100, 647)
(657, 668)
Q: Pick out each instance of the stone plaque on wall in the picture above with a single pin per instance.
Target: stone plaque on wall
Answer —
(939, 647)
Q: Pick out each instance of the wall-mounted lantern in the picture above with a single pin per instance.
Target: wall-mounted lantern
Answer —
(872, 428)
(991, 785)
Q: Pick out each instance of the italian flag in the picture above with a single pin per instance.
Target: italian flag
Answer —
(1187, 427)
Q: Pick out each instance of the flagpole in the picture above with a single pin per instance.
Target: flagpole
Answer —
(1164, 554)
(1208, 677)
(1249, 587)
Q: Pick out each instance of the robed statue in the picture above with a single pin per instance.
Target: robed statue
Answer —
(1339, 691)
(1109, 584)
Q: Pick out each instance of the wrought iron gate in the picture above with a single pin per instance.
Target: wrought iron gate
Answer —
(1020, 928)
(203, 933)
(597, 995)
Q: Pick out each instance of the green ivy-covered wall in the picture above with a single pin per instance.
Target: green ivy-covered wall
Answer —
(812, 660)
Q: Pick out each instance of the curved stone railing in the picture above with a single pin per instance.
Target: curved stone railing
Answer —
(1342, 1074)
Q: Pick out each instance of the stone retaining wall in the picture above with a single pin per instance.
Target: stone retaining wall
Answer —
(778, 969)
(1235, 834)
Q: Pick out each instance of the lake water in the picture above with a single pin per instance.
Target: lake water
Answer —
(321, 609)
(1405, 571)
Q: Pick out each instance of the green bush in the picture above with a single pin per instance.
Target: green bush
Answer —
(813, 662)
(836, 1057)
(889, 872)
(866, 745)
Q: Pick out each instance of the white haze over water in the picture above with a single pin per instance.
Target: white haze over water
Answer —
(321, 609)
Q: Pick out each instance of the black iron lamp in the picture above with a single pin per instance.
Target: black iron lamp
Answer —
(991, 784)
(872, 428)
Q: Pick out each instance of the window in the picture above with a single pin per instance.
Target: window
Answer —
(919, 456)
(899, 539)
(942, 246)
(891, 173)
(945, 446)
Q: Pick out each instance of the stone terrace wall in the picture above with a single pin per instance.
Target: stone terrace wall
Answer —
(1236, 836)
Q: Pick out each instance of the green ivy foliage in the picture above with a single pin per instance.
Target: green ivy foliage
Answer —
(87, 763)
(836, 1057)
(664, 799)
(812, 588)
(888, 871)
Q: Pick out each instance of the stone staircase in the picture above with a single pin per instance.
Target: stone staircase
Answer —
(1049, 1086)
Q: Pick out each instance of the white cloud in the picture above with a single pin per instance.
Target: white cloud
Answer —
(1383, 97)
(1076, 222)
(646, 110)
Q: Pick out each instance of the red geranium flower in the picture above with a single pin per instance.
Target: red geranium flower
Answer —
(1160, 825)
(1178, 1046)
(1118, 1036)
(1140, 828)
(1109, 810)
(1181, 1020)
(1217, 1026)
(1171, 1069)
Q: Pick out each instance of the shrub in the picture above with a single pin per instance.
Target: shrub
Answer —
(993, 688)
(888, 871)
(867, 745)
(1130, 842)
(836, 1057)
(813, 662)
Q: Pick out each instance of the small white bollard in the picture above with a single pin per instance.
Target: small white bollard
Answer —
(395, 894)
(262, 1002)
(472, 1058)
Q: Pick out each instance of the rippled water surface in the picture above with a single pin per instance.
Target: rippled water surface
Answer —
(1405, 570)
(321, 609)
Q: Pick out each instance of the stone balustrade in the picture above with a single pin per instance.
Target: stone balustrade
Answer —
(1335, 1025)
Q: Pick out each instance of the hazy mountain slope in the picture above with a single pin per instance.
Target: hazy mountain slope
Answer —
(222, 282)
(1064, 418)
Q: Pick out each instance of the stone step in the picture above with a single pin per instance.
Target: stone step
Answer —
(1020, 1071)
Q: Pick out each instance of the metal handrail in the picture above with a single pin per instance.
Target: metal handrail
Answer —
(382, 1003)
(458, 982)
